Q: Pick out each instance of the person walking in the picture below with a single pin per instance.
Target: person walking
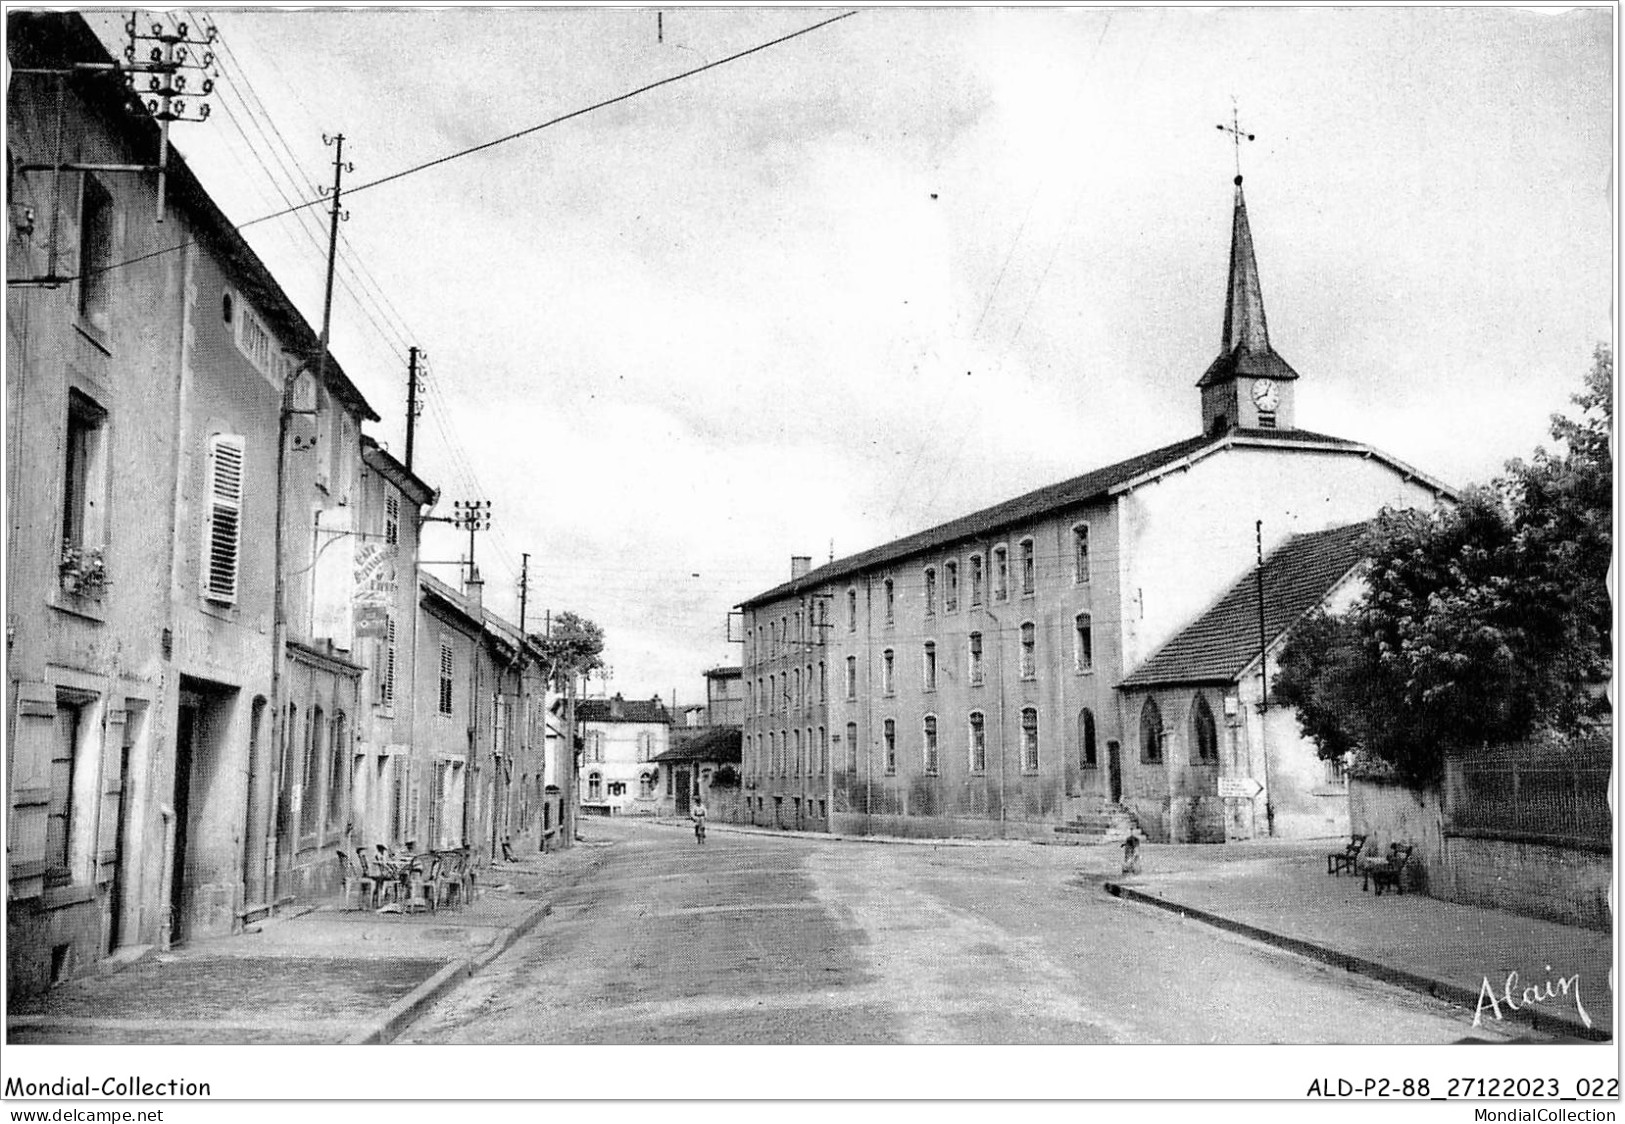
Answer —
(697, 814)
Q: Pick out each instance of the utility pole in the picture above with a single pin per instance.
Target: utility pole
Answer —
(519, 663)
(339, 168)
(411, 401)
(1263, 683)
(470, 516)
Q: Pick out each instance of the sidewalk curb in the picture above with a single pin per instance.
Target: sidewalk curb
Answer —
(406, 1009)
(1438, 989)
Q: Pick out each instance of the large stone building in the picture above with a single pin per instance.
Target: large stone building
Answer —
(976, 678)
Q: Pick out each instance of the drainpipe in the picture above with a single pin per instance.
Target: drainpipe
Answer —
(869, 702)
(998, 630)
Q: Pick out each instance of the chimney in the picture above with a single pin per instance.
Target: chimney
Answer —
(799, 565)
(474, 587)
(617, 707)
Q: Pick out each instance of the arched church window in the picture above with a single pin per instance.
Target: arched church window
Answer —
(1204, 732)
(1150, 733)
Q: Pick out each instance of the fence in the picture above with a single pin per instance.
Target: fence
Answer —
(1539, 792)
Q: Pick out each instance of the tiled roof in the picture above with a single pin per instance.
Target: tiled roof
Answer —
(1221, 643)
(1069, 493)
(719, 743)
(618, 709)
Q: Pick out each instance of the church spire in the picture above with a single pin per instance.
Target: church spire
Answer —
(1244, 323)
(1245, 350)
(1248, 385)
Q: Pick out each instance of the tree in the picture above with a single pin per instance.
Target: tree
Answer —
(1484, 622)
(573, 646)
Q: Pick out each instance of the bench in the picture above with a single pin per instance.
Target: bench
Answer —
(1339, 861)
(1388, 871)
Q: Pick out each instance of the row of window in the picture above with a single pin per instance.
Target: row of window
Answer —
(595, 746)
(770, 700)
(782, 753)
(647, 786)
(987, 579)
(788, 753)
(991, 581)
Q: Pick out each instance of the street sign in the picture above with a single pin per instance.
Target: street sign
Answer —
(1244, 788)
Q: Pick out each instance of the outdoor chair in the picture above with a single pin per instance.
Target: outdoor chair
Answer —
(1389, 872)
(1347, 858)
(375, 880)
(448, 879)
(420, 883)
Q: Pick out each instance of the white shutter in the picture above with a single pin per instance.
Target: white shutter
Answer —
(222, 536)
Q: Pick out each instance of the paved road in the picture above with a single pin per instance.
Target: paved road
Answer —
(764, 939)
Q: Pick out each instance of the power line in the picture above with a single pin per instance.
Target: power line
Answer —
(606, 103)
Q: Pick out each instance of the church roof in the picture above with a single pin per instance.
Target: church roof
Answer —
(1245, 349)
(1222, 643)
(1080, 490)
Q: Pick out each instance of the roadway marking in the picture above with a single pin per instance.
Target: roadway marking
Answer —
(700, 1006)
(750, 907)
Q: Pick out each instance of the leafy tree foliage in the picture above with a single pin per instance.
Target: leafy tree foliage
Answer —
(574, 646)
(1481, 623)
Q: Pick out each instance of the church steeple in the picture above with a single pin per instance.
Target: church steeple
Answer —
(1248, 385)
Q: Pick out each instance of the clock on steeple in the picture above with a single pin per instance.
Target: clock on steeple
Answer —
(1248, 386)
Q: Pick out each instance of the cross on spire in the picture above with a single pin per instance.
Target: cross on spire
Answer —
(1237, 134)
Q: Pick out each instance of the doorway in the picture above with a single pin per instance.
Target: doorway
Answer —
(684, 788)
(122, 918)
(1114, 770)
(187, 723)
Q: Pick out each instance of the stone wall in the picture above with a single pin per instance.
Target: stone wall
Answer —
(1558, 883)
(1549, 880)
(1388, 812)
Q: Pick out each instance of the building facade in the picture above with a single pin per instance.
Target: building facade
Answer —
(149, 359)
(620, 740)
(217, 674)
(969, 679)
(386, 627)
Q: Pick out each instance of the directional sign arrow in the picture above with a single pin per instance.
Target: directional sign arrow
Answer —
(1243, 787)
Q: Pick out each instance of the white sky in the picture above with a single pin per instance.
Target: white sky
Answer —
(907, 265)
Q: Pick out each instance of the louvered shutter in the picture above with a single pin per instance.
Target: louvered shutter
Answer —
(223, 530)
(389, 663)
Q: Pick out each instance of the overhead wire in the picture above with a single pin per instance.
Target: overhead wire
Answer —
(472, 149)
(361, 287)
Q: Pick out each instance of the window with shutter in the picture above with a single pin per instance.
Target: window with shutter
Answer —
(223, 531)
(392, 519)
(445, 678)
(386, 678)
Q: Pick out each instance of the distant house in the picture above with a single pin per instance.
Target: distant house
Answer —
(620, 740)
(691, 769)
(725, 696)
